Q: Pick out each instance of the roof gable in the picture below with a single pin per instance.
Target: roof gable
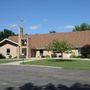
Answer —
(5, 41)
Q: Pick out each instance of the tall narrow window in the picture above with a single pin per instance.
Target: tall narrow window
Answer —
(8, 51)
(24, 51)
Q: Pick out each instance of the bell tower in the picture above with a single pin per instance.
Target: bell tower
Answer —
(20, 37)
(24, 44)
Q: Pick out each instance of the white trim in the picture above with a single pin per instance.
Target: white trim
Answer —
(39, 48)
(8, 40)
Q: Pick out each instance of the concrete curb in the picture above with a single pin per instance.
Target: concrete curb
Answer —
(42, 66)
(32, 66)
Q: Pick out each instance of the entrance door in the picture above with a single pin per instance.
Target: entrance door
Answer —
(41, 53)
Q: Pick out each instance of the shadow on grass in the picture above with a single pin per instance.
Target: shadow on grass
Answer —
(61, 60)
(50, 86)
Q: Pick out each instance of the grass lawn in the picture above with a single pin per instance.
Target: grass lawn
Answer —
(66, 64)
(7, 60)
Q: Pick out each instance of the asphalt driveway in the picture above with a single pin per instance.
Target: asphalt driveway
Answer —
(16, 76)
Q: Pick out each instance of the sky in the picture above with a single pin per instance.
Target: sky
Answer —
(42, 16)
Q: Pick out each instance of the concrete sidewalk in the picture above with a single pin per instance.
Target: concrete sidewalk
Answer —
(12, 63)
(35, 59)
(18, 62)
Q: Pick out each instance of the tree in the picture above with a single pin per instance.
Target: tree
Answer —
(1, 36)
(85, 51)
(82, 27)
(6, 33)
(52, 31)
(59, 47)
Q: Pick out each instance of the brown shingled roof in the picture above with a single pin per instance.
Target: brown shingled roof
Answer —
(77, 39)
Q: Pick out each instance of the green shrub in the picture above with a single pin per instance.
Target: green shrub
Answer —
(85, 51)
(53, 55)
(2, 56)
(88, 56)
(15, 57)
(10, 56)
(47, 56)
(74, 56)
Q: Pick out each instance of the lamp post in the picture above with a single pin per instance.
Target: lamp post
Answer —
(23, 58)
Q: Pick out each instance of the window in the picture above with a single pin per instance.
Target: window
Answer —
(24, 51)
(79, 51)
(8, 51)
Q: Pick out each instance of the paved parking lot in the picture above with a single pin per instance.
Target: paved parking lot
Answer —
(16, 76)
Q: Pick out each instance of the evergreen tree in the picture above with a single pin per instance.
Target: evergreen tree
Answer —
(6, 33)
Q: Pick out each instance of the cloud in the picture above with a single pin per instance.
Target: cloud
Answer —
(34, 27)
(69, 27)
(12, 25)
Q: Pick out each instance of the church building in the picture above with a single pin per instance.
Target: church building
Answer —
(35, 45)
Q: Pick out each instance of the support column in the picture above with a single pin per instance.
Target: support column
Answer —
(28, 48)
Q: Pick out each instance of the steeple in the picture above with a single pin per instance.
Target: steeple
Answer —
(24, 44)
(21, 32)
(20, 37)
(21, 29)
